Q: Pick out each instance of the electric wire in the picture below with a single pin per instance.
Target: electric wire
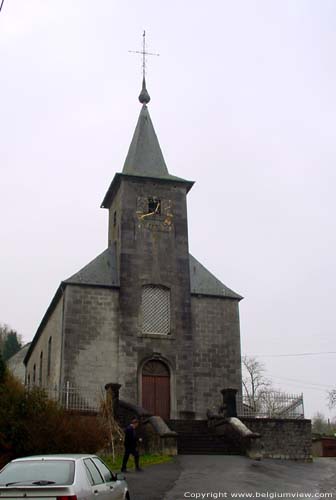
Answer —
(291, 355)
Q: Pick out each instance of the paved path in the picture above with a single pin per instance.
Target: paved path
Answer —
(220, 476)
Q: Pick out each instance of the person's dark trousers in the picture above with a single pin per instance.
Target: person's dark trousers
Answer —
(128, 452)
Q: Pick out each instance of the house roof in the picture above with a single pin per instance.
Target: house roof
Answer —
(202, 282)
(101, 271)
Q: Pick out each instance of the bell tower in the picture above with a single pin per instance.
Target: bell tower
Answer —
(148, 231)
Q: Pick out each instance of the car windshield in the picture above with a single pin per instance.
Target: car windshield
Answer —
(42, 472)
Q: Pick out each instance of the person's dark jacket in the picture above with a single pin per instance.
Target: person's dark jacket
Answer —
(130, 438)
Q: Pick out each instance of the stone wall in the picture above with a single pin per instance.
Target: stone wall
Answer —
(152, 253)
(53, 330)
(15, 364)
(285, 439)
(216, 338)
(91, 329)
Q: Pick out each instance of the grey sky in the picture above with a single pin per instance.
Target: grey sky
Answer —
(243, 102)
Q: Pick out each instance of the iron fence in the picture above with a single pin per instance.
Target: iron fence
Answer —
(266, 405)
(271, 405)
(75, 398)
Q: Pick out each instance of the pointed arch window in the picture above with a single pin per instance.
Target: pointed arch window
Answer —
(155, 310)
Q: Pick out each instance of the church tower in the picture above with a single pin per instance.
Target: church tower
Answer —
(148, 233)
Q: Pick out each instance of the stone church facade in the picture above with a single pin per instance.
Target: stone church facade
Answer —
(144, 313)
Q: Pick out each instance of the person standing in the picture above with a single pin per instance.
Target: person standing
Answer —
(130, 444)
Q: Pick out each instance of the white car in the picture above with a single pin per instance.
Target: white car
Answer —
(61, 477)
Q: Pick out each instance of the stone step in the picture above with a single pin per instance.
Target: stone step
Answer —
(196, 438)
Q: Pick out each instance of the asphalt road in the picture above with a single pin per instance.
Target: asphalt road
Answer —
(220, 476)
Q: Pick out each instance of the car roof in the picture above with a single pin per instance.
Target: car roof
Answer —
(64, 456)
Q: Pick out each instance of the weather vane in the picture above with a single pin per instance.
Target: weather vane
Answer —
(144, 53)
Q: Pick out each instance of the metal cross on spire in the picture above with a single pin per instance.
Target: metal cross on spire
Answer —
(144, 96)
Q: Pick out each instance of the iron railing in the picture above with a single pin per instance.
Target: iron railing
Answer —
(271, 405)
(266, 405)
(75, 398)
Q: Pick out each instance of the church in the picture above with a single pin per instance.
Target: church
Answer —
(144, 313)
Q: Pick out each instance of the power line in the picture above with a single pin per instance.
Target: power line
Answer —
(291, 355)
(311, 384)
(2, 2)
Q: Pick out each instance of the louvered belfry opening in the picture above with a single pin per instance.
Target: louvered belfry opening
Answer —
(155, 310)
(156, 388)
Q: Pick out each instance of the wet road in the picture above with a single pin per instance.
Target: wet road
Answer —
(221, 476)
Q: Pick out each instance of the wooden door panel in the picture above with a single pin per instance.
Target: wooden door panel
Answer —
(162, 397)
(148, 393)
(156, 395)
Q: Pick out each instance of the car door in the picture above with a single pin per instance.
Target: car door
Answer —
(114, 487)
(98, 485)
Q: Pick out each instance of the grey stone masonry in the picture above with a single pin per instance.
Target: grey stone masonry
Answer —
(153, 250)
(51, 332)
(90, 350)
(284, 439)
(216, 350)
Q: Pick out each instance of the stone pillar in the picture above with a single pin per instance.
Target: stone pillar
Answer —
(229, 407)
(112, 396)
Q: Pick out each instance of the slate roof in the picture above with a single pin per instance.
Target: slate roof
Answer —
(102, 271)
(202, 282)
(144, 157)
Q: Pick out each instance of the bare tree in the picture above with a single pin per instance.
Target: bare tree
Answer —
(332, 398)
(322, 425)
(255, 383)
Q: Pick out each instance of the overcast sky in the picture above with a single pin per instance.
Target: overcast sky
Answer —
(243, 103)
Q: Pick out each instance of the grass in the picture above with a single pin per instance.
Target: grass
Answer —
(145, 460)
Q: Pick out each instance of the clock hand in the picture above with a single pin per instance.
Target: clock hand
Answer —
(157, 207)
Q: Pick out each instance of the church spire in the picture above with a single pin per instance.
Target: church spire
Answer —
(144, 156)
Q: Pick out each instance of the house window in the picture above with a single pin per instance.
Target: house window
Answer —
(155, 310)
(28, 380)
(41, 368)
(115, 218)
(49, 357)
(34, 374)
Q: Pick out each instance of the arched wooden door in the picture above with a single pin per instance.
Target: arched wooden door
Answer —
(156, 388)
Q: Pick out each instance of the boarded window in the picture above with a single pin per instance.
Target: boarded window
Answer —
(155, 310)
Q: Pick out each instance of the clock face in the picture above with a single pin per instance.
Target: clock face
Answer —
(154, 214)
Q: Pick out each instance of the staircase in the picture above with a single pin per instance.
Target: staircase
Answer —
(194, 437)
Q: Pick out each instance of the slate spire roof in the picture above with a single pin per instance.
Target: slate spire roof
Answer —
(144, 157)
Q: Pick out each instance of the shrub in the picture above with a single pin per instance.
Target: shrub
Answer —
(32, 424)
